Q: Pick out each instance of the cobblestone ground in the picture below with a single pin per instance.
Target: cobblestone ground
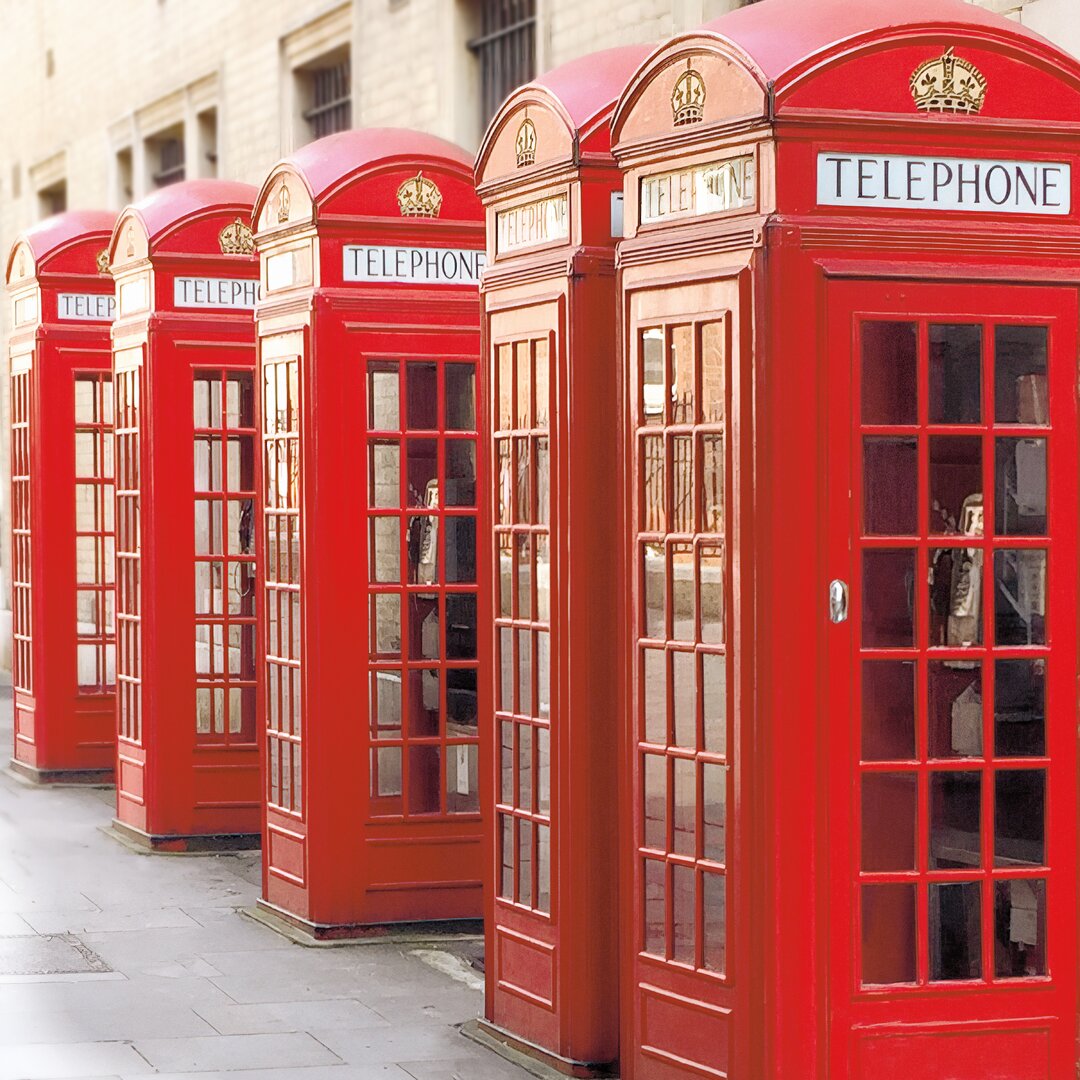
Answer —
(115, 964)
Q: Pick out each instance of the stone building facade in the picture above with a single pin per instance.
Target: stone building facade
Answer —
(104, 101)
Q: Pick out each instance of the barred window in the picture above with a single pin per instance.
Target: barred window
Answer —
(330, 96)
(505, 49)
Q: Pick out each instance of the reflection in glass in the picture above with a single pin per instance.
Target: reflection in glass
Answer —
(462, 779)
(955, 374)
(543, 579)
(889, 802)
(653, 508)
(1020, 708)
(460, 626)
(712, 373)
(682, 374)
(1019, 817)
(386, 620)
(683, 590)
(683, 922)
(386, 548)
(955, 601)
(888, 578)
(522, 497)
(423, 699)
(684, 819)
(460, 549)
(714, 926)
(654, 793)
(543, 867)
(955, 931)
(425, 786)
(1019, 928)
(543, 482)
(506, 483)
(543, 770)
(683, 490)
(890, 486)
(523, 561)
(525, 862)
(1020, 487)
(714, 701)
(460, 472)
(506, 575)
(955, 820)
(684, 699)
(655, 581)
(422, 541)
(889, 384)
(523, 412)
(461, 703)
(382, 397)
(652, 377)
(711, 594)
(506, 387)
(385, 690)
(654, 686)
(506, 669)
(421, 388)
(654, 882)
(460, 397)
(1020, 390)
(712, 451)
(423, 470)
(423, 626)
(714, 812)
(888, 934)
(506, 857)
(888, 710)
(525, 767)
(955, 708)
(543, 674)
(386, 776)
(542, 380)
(1020, 597)
(956, 482)
(506, 762)
(525, 680)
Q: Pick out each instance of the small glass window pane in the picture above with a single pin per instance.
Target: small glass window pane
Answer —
(422, 392)
(543, 771)
(1020, 487)
(385, 474)
(424, 704)
(386, 549)
(889, 384)
(653, 507)
(955, 820)
(523, 562)
(712, 373)
(956, 483)
(888, 710)
(525, 862)
(654, 881)
(543, 868)
(1019, 817)
(655, 797)
(506, 762)
(1020, 708)
(425, 784)
(714, 930)
(714, 701)
(506, 845)
(385, 704)
(714, 812)
(543, 482)
(652, 377)
(955, 597)
(543, 578)
(506, 576)
(654, 687)
(460, 626)
(654, 572)
(711, 595)
(955, 374)
(1019, 928)
(712, 484)
(888, 934)
(525, 673)
(460, 397)
(685, 699)
(423, 465)
(889, 804)
(523, 370)
(424, 626)
(1020, 597)
(684, 937)
(460, 549)
(683, 590)
(955, 931)
(541, 360)
(461, 702)
(462, 779)
(525, 767)
(955, 709)
(506, 387)
(422, 541)
(1020, 389)
(684, 490)
(888, 589)
(682, 375)
(506, 669)
(543, 675)
(460, 472)
(890, 486)
(684, 819)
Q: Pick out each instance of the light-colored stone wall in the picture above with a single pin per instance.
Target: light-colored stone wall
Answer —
(83, 80)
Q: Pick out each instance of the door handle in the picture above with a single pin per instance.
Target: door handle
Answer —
(838, 601)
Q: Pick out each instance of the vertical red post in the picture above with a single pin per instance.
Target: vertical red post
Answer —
(63, 655)
(554, 210)
(187, 482)
(372, 245)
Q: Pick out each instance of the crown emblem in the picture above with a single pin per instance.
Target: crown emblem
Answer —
(22, 264)
(130, 234)
(948, 85)
(284, 202)
(525, 144)
(419, 197)
(236, 239)
(102, 261)
(688, 97)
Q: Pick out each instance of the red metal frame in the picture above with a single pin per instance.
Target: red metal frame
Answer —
(187, 483)
(550, 317)
(375, 791)
(796, 280)
(61, 454)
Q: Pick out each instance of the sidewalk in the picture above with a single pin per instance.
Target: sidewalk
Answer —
(115, 964)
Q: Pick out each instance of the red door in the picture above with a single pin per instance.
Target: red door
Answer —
(950, 724)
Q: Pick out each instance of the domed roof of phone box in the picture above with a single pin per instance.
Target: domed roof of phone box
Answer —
(54, 234)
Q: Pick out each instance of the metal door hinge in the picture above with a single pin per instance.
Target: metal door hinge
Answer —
(838, 601)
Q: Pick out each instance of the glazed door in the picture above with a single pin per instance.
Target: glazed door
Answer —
(950, 727)
(683, 1008)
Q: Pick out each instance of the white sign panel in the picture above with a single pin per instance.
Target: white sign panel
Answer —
(85, 307)
(715, 188)
(975, 185)
(208, 292)
(414, 265)
(539, 222)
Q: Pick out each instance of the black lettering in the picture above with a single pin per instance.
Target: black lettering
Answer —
(939, 168)
(993, 171)
(888, 176)
(448, 259)
(973, 182)
(839, 162)
(912, 180)
(417, 262)
(1022, 181)
(864, 177)
(1050, 176)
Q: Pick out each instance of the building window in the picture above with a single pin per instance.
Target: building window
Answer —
(53, 199)
(208, 143)
(505, 50)
(326, 88)
(165, 156)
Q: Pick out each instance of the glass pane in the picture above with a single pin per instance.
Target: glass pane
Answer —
(423, 626)
(653, 508)
(654, 796)
(423, 699)
(543, 482)
(461, 703)
(462, 776)
(711, 595)
(888, 582)
(423, 464)
(655, 579)
(1019, 817)
(523, 562)
(888, 710)
(506, 576)
(506, 762)
(386, 548)
(684, 820)
(889, 802)
(460, 549)
(683, 590)
(888, 934)
(523, 371)
(422, 541)
(240, 400)
(86, 401)
(1020, 708)
(543, 579)
(522, 488)
(654, 937)
(714, 701)
(1020, 392)
(385, 704)
(683, 906)
(543, 868)
(460, 397)
(387, 778)
(460, 472)
(525, 767)
(525, 863)
(655, 695)
(1020, 487)
(712, 482)
(424, 780)
(1020, 597)
(889, 385)
(383, 395)
(956, 483)
(714, 812)
(955, 931)
(543, 675)
(955, 709)
(684, 686)
(955, 374)
(682, 375)
(542, 377)
(506, 483)
(421, 387)
(683, 489)
(460, 626)
(506, 876)
(506, 669)
(506, 387)
(712, 373)
(241, 527)
(652, 377)
(955, 820)
(956, 585)
(543, 771)
(525, 676)
(890, 486)
(1019, 928)
(385, 474)
(714, 931)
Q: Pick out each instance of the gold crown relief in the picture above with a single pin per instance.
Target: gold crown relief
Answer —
(948, 85)
(525, 143)
(284, 203)
(419, 197)
(688, 97)
(102, 260)
(236, 239)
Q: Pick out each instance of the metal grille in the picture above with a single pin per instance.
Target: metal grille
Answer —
(506, 49)
(170, 162)
(331, 94)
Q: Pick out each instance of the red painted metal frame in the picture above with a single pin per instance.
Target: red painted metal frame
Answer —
(340, 860)
(552, 956)
(63, 728)
(177, 788)
(835, 77)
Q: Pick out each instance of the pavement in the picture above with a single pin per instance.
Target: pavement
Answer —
(117, 965)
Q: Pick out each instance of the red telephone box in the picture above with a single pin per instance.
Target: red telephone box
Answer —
(553, 197)
(63, 653)
(849, 288)
(186, 496)
(371, 245)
